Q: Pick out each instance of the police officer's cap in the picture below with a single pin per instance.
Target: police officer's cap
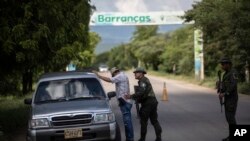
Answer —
(225, 60)
(140, 70)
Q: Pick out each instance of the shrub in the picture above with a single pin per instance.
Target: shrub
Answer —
(244, 88)
(13, 115)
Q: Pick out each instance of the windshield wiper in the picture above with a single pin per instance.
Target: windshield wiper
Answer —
(70, 99)
(52, 100)
(89, 97)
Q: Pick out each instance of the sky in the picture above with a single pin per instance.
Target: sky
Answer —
(142, 5)
(114, 35)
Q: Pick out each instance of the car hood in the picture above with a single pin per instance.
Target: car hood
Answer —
(78, 106)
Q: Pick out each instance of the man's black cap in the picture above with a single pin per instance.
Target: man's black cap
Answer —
(225, 60)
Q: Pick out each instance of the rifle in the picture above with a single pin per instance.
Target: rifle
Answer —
(136, 89)
(219, 89)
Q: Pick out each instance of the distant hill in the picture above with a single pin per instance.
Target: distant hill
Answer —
(115, 35)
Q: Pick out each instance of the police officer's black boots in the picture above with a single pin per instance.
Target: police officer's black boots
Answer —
(158, 138)
(158, 134)
(141, 139)
(226, 139)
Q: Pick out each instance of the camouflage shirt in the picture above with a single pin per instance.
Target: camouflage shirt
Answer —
(229, 84)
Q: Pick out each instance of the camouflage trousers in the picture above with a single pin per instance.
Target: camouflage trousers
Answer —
(230, 112)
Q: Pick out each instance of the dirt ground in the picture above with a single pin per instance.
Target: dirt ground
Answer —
(19, 135)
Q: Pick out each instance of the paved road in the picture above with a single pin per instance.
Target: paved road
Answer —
(192, 113)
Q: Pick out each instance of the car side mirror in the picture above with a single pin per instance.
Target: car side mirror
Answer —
(111, 94)
(28, 101)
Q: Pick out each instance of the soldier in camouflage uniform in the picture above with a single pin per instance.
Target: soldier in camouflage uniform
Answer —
(146, 97)
(229, 91)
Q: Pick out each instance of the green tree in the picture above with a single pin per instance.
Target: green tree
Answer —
(179, 52)
(121, 57)
(225, 25)
(149, 51)
(144, 32)
(86, 57)
(40, 35)
(101, 58)
(147, 46)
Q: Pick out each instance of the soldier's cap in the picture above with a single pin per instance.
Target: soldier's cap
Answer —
(114, 70)
(224, 60)
(140, 70)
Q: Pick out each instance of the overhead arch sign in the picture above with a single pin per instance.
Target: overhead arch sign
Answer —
(148, 18)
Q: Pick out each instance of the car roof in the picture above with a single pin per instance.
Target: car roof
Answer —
(66, 75)
(103, 65)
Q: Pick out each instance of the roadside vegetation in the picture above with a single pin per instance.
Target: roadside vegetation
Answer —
(13, 116)
(42, 36)
(37, 37)
(226, 32)
(243, 88)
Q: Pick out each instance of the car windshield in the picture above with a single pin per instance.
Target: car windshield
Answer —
(69, 89)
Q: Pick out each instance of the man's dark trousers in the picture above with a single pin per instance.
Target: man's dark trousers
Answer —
(149, 111)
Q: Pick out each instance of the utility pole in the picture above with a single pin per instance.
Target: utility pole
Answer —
(202, 76)
(247, 72)
(198, 55)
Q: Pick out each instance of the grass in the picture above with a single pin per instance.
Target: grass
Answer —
(243, 88)
(207, 82)
(13, 115)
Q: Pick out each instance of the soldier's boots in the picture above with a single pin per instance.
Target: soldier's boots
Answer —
(158, 139)
(226, 139)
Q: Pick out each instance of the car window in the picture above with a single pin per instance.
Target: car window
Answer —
(42, 93)
(68, 89)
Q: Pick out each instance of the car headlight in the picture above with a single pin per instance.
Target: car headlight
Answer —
(39, 123)
(104, 117)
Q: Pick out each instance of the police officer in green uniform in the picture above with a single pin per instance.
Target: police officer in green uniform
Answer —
(229, 91)
(146, 97)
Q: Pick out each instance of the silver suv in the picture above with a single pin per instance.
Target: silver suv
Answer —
(71, 106)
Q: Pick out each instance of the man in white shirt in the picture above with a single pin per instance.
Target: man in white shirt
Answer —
(122, 89)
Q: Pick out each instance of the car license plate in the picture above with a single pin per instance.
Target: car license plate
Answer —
(72, 133)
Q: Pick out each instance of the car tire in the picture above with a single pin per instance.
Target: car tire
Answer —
(27, 138)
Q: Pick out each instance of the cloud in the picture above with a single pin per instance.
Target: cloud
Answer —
(164, 5)
(131, 6)
(105, 5)
(142, 5)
